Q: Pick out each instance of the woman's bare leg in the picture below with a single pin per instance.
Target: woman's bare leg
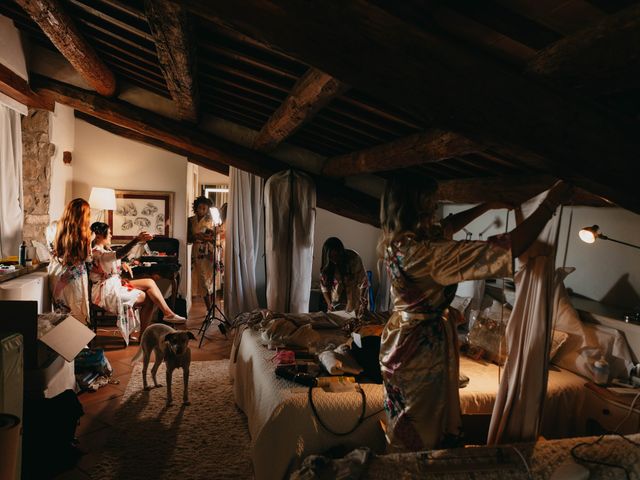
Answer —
(149, 286)
(145, 312)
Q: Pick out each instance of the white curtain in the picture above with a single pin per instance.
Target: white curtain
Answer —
(290, 217)
(242, 241)
(11, 206)
(518, 407)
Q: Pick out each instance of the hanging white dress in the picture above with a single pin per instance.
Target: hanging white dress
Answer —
(290, 214)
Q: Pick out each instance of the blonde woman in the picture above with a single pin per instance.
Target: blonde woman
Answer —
(419, 352)
(70, 250)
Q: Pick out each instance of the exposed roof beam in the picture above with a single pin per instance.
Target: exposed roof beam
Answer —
(445, 84)
(62, 32)
(200, 144)
(601, 59)
(206, 162)
(512, 190)
(169, 24)
(427, 147)
(17, 88)
(312, 91)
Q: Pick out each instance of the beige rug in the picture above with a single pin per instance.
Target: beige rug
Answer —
(207, 440)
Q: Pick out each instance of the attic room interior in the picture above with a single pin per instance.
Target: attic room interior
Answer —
(289, 239)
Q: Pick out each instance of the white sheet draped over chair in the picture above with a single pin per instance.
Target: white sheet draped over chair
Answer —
(244, 224)
(290, 216)
(518, 406)
(10, 181)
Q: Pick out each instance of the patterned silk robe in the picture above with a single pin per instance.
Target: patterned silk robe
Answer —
(419, 351)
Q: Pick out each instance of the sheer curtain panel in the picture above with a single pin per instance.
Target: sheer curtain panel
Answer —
(11, 213)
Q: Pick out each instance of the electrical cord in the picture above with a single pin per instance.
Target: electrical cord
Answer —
(577, 457)
(359, 421)
(526, 465)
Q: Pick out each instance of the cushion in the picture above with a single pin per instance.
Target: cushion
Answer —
(558, 339)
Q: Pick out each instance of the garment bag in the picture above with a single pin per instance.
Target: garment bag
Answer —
(290, 203)
(518, 407)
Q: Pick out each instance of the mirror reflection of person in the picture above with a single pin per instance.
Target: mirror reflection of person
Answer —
(343, 279)
(418, 352)
(200, 234)
(116, 293)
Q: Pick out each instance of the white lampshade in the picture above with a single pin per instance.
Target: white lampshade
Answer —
(215, 216)
(102, 198)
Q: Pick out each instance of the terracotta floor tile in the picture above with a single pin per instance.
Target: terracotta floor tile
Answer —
(105, 410)
(89, 423)
(105, 393)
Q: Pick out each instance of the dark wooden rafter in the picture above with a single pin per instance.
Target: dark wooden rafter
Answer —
(513, 190)
(203, 145)
(427, 147)
(14, 86)
(601, 59)
(206, 162)
(443, 83)
(312, 91)
(63, 33)
(169, 23)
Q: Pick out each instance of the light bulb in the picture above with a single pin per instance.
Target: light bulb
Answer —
(588, 234)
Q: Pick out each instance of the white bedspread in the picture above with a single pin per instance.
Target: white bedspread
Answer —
(284, 430)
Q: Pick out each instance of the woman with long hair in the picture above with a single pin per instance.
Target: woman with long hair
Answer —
(419, 352)
(70, 250)
(343, 280)
(120, 295)
(200, 234)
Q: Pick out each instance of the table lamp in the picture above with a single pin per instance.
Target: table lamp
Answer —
(590, 234)
(102, 199)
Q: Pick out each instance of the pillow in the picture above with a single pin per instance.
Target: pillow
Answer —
(558, 339)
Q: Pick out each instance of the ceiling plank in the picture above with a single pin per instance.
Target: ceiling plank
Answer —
(601, 59)
(171, 31)
(63, 33)
(16, 87)
(331, 196)
(312, 91)
(427, 147)
(206, 162)
(444, 83)
(512, 190)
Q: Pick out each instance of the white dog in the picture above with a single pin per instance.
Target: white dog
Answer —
(171, 346)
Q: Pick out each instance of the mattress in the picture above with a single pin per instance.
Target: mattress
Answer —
(284, 429)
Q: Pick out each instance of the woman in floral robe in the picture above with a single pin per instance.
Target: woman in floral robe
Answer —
(70, 250)
(419, 352)
(200, 234)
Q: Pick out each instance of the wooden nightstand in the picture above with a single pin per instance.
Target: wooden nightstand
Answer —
(603, 410)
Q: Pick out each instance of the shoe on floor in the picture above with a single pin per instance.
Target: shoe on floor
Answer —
(175, 319)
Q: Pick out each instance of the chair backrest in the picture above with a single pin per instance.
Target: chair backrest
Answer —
(168, 245)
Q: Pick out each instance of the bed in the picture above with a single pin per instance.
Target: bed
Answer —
(284, 429)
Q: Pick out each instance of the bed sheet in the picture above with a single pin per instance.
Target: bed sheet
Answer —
(284, 430)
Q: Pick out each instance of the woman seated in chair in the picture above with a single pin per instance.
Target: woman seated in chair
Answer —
(119, 295)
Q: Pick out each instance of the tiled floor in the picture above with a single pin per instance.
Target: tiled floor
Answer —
(100, 407)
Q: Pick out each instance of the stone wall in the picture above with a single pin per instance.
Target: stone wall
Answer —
(37, 151)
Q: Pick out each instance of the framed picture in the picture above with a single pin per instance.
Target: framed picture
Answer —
(140, 210)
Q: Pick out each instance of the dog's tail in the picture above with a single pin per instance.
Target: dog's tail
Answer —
(137, 356)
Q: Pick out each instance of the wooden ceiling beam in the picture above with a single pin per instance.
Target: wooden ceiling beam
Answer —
(16, 87)
(200, 144)
(514, 190)
(312, 91)
(420, 148)
(171, 31)
(444, 83)
(600, 59)
(63, 33)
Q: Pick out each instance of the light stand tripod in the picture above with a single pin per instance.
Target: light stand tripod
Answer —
(210, 317)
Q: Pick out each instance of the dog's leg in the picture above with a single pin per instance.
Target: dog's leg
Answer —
(169, 373)
(156, 365)
(185, 394)
(146, 356)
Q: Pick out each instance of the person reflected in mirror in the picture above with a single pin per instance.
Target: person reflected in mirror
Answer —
(419, 351)
(114, 288)
(200, 234)
(343, 279)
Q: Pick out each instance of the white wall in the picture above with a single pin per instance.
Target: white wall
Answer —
(62, 134)
(605, 271)
(102, 159)
(356, 236)
(12, 53)
(209, 177)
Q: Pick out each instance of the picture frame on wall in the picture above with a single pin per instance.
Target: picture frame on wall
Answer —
(138, 210)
